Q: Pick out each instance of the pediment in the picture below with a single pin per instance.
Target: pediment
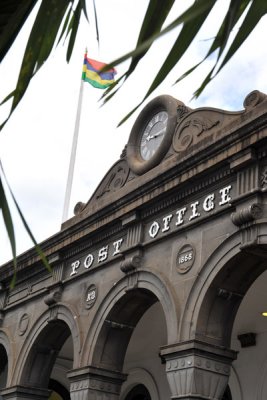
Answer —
(194, 134)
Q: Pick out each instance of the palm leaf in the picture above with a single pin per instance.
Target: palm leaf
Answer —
(257, 10)
(233, 14)
(9, 225)
(40, 43)
(185, 38)
(194, 12)
(65, 25)
(197, 12)
(14, 14)
(96, 20)
(75, 25)
(156, 15)
(42, 39)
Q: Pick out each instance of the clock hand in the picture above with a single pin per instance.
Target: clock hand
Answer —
(149, 137)
(156, 135)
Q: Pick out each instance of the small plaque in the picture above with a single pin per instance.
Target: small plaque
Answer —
(90, 296)
(185, 258)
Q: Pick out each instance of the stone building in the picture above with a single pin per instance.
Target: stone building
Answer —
(158, 282)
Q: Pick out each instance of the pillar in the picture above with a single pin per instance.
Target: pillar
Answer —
(197, 370)
(95, 383)
(25, 393)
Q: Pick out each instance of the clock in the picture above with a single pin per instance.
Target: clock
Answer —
(151, 135)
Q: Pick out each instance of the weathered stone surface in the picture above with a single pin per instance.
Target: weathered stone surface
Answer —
(189, 231)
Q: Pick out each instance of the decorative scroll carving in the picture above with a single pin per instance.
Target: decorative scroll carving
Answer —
(79, 207)
(254, 98)
(53, 297)
(113, 181)
(130, 263)
(129, 266)
(250, 232)
(197, 371)
(247, 214)
(191, 128)
(124, 152)
(182, 110)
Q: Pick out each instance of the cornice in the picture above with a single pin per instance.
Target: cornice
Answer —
(196, 168)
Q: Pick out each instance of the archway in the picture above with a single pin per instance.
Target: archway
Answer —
(49, 359)
(211, 310)
(118, 327)
(121, 310)
(122, 313)
(146, 376)
(224, 296)
(222, 283)
(3, 367)
(58, 391)
(249, 339)
(139, 392)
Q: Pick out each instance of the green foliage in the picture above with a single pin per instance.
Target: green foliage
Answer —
(192, 20)
(42, 39)
(4, 206)
(58, 18)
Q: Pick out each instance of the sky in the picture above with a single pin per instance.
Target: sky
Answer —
(35, 144)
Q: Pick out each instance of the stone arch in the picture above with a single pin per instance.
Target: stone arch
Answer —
(223, 281)
(119, 313)
(6, 346)
(143, 377)
(44, 340)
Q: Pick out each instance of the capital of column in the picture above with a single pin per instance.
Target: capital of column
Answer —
(25, 393)
(197, 370)
(95, 383)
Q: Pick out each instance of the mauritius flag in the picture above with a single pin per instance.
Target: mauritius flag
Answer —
(92, 73)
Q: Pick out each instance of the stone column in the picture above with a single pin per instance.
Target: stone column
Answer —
(197, 370)
(25, 393)
(95, 384)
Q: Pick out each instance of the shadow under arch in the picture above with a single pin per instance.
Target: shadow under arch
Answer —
(119, 313)
(215, 297)
(42, 344)
(6, 359)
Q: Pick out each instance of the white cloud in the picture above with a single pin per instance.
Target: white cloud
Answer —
(35, 144)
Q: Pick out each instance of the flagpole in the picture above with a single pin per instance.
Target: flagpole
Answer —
(73, 155)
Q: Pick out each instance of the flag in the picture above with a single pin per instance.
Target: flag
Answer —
(92, 73)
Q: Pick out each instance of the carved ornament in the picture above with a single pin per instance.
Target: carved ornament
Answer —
(191, 129)
(247, 214)
(114, 180)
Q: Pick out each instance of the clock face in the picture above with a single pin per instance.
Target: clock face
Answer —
(153, 135)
